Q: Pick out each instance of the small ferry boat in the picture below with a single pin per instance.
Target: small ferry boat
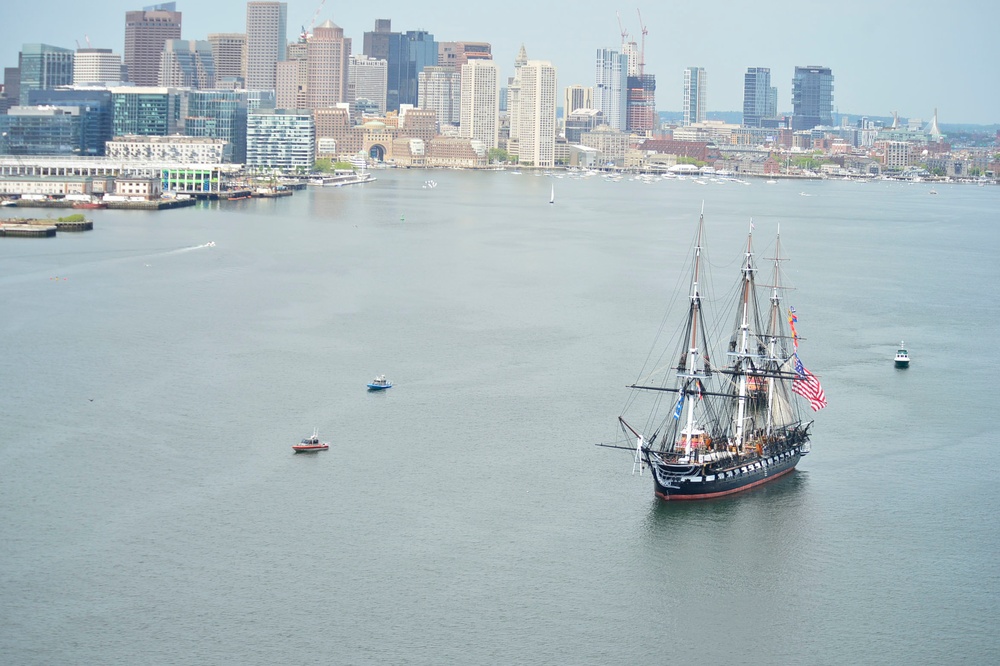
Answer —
(310, 444)
(902, 357)
(380, 383)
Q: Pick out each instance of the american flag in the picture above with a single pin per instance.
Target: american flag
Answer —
(806, 385)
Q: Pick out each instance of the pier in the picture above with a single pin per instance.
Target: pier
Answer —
(36, 228)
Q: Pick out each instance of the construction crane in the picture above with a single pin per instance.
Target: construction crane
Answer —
(622, 28)
(642, 48)
(312, 23)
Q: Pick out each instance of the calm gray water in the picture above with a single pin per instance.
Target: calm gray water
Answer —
(152, 511)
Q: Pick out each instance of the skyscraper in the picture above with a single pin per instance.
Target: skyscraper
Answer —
(812, 97)
(417, 50)
(187, 64)
(641, 104)
(480, 106)
(514, 93)
(695, 85)
(267, 40)
(440, 89)
(328, 55)
(536, 117)
(367, 80)
(96, 66)
(43, 66)
(229, 51)
(611, 89)
(760, 99)
(577, 97)
(146, 31)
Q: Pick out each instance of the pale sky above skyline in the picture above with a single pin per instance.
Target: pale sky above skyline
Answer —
(910, 57)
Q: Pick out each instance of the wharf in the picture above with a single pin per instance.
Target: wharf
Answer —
(36, 228)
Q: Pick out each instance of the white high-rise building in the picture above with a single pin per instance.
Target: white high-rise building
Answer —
(267, 39)
(695, 85)
(536, 116)
(96, 66)
(368, 79)
(481, 102)
(440, 89)
(611, 91)
(514, 92)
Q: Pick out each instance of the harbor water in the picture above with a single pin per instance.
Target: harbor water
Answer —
(158, 369)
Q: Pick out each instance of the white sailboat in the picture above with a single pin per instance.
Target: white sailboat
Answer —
(552, 195)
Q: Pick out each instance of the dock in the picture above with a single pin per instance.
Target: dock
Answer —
(35, 228)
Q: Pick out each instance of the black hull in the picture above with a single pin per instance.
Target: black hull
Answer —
(687, 482)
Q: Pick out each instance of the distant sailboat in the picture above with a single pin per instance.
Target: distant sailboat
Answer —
(552, 195)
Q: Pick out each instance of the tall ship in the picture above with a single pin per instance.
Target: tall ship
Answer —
(707, 429)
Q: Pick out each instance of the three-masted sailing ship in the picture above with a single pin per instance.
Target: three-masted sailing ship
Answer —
(717, 429)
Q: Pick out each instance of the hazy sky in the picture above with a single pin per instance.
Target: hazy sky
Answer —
(910, 56)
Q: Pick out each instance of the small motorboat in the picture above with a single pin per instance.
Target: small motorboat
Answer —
(902, 357)
(310, 444)
(380, 383)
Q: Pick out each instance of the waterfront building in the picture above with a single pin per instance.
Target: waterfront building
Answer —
(760, 98)
(580, 121)
(229, 53)
(187, 64)
(219, 114)
(281, 139)
(609, 143)
(41, 130)
(147, 111)
(812, 97)
(695, 89)
(95, 114)
(577, 97)
(611, 89)
(417, 123)
(146, 31)
(640, 104)
(96, 66)
(480, 102)
(334, 132)
(367, 80)
(536, 115)
(266, 41)
(441, 90)
(42, 66)
(328, 61)
(170, 149)
(454, 55)
(456, 152)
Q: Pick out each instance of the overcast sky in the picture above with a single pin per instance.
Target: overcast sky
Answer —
(910, 56)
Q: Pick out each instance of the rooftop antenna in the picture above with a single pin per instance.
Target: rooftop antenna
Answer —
(642, 48)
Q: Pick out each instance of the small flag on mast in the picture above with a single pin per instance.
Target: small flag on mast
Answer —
(679, 407)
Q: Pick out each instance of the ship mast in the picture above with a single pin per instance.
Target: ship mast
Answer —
(692, 356)
(774, 329)
(742, 349)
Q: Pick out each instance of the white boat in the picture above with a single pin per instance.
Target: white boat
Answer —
(902, 359)
(552, 196)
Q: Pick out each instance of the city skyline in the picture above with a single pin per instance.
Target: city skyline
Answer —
(885, 58)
